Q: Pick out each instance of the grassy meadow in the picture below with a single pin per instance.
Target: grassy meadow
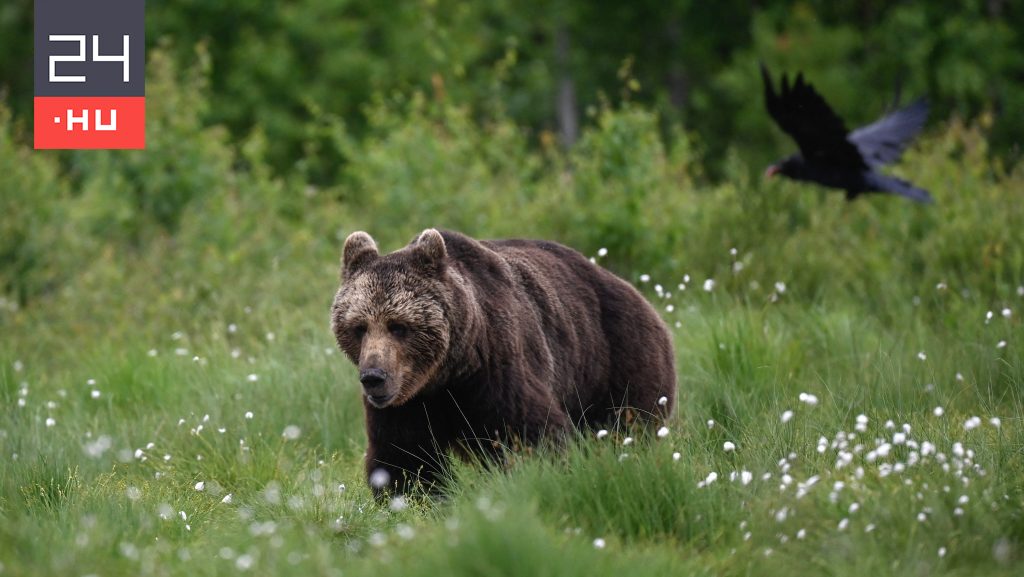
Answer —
(851, 375)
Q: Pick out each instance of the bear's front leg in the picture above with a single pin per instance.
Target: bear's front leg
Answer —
(406, 450)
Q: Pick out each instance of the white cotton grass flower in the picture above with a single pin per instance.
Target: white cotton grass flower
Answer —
(1001, 345)
(922, 356)
(599, 543)
(252, 378)
(645, 278)
(972, 423)
(379, 478)
(995, 422)
(822, 445)
(711, 423)
(50, 421)
(244, 562)
(662, 432)
(786, 416)
(227, 499)
(662, 401)
(602, 252)
(709, 285)
(862, 423)
(728, 446)
(1007, 313)
(165, 512)
(843, 524)
(248, 415)
(201, 485)
(938, 411)
(676, 456)
(602, 433)
(711, 478)
(291, 432)
(808, 399)
(398, 504)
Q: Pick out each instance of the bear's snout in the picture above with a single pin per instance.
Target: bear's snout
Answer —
(372, 378)
(374, 383)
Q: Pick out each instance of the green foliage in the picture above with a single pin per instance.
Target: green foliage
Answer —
(128, 192)
(284, 67)
(430, 164)
(32, 206)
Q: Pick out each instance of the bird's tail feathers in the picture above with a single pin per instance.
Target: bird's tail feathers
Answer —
(901, 187)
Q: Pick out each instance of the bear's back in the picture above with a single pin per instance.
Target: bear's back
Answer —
(605, 343)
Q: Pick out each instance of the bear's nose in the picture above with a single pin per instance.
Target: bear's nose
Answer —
(372, 378)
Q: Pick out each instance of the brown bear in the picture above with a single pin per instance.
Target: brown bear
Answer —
(472, 347)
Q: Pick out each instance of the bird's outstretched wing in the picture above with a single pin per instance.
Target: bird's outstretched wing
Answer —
(803, 114)
(884, 140)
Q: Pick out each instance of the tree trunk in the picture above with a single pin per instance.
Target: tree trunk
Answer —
(566, 107)
(678, 83)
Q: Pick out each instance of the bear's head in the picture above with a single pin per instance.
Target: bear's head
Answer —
(390, 315)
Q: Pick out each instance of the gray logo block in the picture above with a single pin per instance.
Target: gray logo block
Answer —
(90, 48)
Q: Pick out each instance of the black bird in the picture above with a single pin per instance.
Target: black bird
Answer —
(833, 157)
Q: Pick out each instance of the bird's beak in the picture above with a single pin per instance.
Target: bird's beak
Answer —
(771, 171)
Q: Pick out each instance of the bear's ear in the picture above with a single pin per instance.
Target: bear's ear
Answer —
(359, 251)
(431, 250)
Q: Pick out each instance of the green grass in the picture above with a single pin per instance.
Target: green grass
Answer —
(77, 498)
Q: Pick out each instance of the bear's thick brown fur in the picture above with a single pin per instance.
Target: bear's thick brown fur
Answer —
(472, 346)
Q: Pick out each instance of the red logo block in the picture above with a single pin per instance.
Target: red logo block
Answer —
(90, 122)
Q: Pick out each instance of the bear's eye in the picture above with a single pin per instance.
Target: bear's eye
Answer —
(398, 329)
(359, 331)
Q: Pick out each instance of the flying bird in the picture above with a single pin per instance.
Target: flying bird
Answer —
(834, 157)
